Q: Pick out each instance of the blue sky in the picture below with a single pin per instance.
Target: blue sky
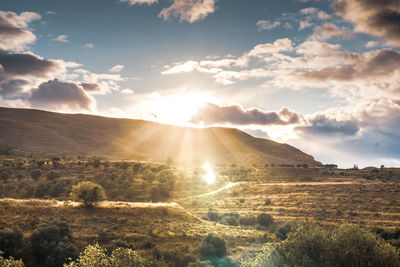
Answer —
(320, 75)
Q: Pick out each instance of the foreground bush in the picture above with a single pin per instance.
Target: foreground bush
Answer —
(10, 262)
(89, 193)
(10, 241)
(212, 247)
(52, 244)
(120, 257)
(347, 245)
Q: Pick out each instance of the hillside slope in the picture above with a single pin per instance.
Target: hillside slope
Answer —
(76, 134)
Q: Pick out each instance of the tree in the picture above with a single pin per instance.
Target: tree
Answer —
(6, 149)
(51, 175)
(88, 192)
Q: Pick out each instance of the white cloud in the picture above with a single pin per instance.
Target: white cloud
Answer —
(63, 38)
(89, 45)
(117, 68)
(267, 25)
(140, 2)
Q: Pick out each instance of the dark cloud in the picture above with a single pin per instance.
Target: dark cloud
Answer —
(26, 64)
(13, 88)
(91, 87)
(214, 114)
(58, 95)
(376, 17)
(375, 64)
(13, 35)
(322, 125)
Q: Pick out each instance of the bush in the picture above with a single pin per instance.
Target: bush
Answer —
(35, 174)
(52, 244)
(88, 192)
(94, 255)
(265, 219)
(10, 241)
(5, 174)
(247, 220)
(212, 247)
(10, 262)
(213, 215)
(51, 175)
(6, 150)
(347, 245)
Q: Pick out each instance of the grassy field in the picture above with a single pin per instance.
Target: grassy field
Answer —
(152, 205)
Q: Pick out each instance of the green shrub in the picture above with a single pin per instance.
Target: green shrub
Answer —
(11, 240)
(51, 175)
(10, 262)
(4, 174)
(52, 244)
(265, 219)
(87, 192)
(310, 245)
(212, 247)
(94, 255)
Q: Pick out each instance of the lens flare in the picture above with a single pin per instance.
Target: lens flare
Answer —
(209, 176)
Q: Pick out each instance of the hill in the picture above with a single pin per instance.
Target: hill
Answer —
(77, 134)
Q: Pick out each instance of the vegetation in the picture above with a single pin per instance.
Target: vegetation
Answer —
(88, 192)
(347, 245)
(52, 244)
(97, 256)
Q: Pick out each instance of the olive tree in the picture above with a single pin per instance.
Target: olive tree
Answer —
(89, 193)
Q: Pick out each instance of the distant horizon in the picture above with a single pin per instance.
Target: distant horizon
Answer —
(322, 76)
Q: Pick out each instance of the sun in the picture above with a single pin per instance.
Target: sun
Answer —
(178, 108)
(209, 176)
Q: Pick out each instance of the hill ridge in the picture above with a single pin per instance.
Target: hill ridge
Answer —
(46, 132)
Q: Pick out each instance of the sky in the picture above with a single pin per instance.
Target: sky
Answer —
(323, 76)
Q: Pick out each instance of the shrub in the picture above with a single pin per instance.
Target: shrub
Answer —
(265, 219)
(347, 245)
(212, 247)
(213, 215)
(52, 244)
(10, 241)
(35, 174)
(247, 220)
(88, 192)
(5, 174)
(6, 149)
(51, 175)
(94, 255)
(283, 231)
(267, 202)
(10, 262)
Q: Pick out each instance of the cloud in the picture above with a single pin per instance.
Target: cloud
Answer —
(189, 10)
(13, 30)
(378, 18)
(58, 95)
(280, 45)
(89, 45)
(267, 25)
(211, 113)
(371, 44)
(329, 30)
(90, 87)
(117, 68)
(367, 133)
(323, 125)
(305, 24)
(140, 2)
(27, 64)
(62, 38)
